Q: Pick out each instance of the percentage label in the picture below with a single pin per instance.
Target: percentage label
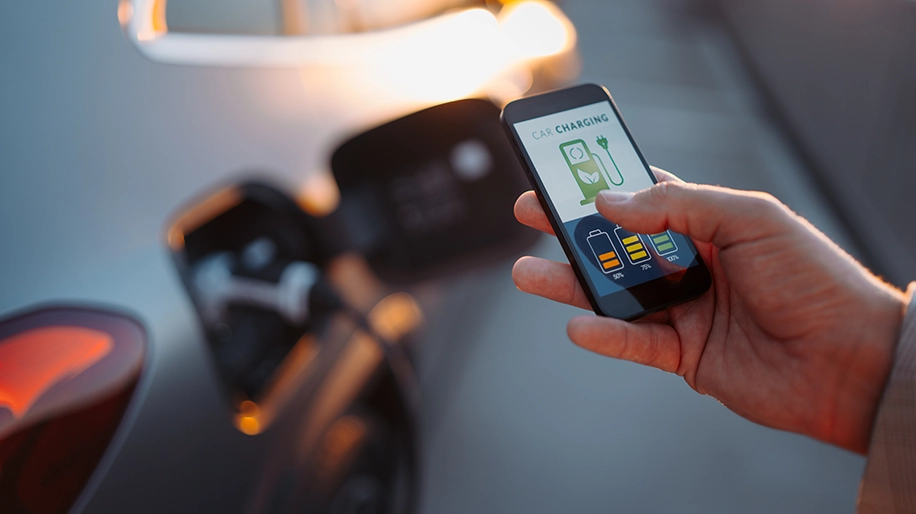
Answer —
(645, 266)
(672, 258)
(615, 276)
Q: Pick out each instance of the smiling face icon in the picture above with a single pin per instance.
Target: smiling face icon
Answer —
(584, 169)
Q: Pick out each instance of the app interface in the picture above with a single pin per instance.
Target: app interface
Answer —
(577, 154)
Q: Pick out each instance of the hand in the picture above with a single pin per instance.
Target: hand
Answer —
(793, 334)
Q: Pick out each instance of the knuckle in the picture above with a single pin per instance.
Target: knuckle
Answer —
(624, 348)
(659, 194)
(651, 353)
(661, 190)
(764, 206)
(574, 292)
(765, 202)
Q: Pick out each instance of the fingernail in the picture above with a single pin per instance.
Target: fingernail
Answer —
(615, 196)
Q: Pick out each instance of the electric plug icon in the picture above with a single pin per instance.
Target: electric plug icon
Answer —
(602, 142)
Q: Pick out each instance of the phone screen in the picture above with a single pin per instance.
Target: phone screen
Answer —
(578, 153)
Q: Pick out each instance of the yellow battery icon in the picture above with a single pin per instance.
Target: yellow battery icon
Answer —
(663, 243)
(603, 249)
(633, 245)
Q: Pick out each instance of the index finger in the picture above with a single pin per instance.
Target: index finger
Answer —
(528, 211)
(665, 176)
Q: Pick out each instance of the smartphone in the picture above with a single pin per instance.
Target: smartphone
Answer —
(573, 144)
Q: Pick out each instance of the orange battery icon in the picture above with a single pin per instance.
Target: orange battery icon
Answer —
(663, 243)
(603, 248)
(633, 245)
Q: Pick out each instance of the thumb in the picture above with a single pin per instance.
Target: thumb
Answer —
(710, 214)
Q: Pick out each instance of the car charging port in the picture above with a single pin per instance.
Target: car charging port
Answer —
(249, 257)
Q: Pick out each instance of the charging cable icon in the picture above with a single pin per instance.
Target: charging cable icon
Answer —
(602, 142)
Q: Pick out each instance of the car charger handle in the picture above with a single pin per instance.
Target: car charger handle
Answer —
(218, 287)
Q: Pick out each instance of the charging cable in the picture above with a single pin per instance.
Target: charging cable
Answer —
(298, 292)
(324, 298)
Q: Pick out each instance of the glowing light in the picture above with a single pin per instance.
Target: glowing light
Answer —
(254, 418)
(248, 407)
(452, 61)
(147, 36)
(443, 58)
(473, 53)
(395, 316)
(143, 19)
(537, 29)
(342, 442)
(319, 194)
(207, 209)
(458, 54)
(247, 419)
(510, 85)
(33, 362)
(175, 239)
(125, 12)
(249, 425)
(159, 21)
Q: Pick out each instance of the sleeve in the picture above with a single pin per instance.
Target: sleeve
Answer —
(889, 483)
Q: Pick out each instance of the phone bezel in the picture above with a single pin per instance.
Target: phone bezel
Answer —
(651, 296)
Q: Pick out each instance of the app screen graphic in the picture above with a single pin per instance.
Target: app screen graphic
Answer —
(604, 251)
(633, 244)
(585, 169)
(663, 243)
(579, 153)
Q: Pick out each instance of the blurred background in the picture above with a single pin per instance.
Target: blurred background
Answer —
(124, 125)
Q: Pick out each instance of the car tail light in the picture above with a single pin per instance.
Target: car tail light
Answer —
(66, 378)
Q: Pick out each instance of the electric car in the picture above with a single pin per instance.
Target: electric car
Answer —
(211, 225)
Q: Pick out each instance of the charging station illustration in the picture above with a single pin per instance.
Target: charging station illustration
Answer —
(587, 168)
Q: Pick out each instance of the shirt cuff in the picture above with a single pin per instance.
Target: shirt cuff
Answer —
(889, 482)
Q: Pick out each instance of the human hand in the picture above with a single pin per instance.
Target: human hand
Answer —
(794, 333)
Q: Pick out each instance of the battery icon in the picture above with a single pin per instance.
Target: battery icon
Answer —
(663, 243)
(633, 245)
(603, 248)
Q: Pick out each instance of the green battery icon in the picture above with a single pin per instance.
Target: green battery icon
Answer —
(663, 243)
(603, 249)
(633, 245)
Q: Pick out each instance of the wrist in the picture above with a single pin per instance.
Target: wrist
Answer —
(869, 369)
